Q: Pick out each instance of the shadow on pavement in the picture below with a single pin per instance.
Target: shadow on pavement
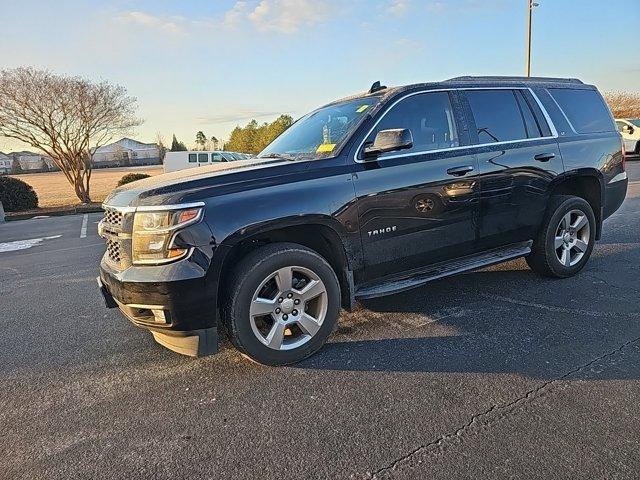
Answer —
(507, 321)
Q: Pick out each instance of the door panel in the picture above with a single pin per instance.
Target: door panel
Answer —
(518, 158)
(413, 213)
(418, 206)
(514, 190)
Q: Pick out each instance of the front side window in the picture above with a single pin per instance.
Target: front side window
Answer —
(321, 133)
(585, 109)
(216, 157)
(497, 115)
(430, 118)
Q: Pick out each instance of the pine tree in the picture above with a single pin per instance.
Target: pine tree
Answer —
(177, 146)
(201, 140)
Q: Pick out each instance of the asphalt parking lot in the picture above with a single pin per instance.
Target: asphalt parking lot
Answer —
(492, 374)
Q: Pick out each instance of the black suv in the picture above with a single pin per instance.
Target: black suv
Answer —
(367, 196)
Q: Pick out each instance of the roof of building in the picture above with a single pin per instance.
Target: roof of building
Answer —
(124, 142)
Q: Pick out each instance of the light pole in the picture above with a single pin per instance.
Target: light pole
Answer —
(530, 6)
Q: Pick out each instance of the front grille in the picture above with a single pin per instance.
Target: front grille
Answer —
(113, 217)
(116, 229)
(113, 250)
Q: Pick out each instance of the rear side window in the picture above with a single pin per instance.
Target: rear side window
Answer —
(585, 109)
(203, 157)
(193, 157)
(497, 115)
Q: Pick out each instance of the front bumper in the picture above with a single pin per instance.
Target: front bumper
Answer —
(174, 302)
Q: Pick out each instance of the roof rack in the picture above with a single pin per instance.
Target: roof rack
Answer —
(514, 79)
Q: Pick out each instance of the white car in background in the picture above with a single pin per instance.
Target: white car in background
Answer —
(174, 161)
(629, 128)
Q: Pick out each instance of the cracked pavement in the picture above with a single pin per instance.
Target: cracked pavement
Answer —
(491, 374)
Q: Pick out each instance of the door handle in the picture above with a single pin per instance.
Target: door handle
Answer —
(544, 157)
(460, 171)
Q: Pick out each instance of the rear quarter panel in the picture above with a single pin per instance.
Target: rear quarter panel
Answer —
(595, 154)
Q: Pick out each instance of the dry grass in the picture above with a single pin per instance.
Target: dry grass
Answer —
(54, 190)
(623, 104)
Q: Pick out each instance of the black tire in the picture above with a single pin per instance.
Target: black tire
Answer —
(543, 258)
(249, 275)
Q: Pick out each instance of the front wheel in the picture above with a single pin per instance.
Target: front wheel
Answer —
(282, 305)
(565, 241)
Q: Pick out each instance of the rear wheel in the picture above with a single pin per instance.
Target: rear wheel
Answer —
(566, 239)
(283, 304)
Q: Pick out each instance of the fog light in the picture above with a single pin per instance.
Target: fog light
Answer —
(158, 316)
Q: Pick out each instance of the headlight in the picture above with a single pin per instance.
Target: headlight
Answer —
(153, 233)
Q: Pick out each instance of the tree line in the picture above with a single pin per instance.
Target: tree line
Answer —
(252, 138)
(623, 104)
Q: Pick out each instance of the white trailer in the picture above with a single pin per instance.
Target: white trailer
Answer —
(192, 159)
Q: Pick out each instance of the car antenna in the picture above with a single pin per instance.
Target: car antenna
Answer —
(376, 87)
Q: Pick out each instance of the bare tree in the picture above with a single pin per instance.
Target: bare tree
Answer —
(162, 149)
(66, 118)
(624, 104)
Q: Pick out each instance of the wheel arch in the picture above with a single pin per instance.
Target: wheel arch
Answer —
(317, 233)
(585, 183)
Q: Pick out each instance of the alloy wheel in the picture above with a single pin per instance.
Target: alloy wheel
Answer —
(572, 238)
(288, 308)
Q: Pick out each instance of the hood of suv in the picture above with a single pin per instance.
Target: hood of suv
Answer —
(165, 184)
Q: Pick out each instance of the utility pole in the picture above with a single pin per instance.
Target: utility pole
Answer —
(530, 6)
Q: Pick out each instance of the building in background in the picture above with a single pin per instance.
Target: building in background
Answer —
(123, 153)
(126, 152)
(6, 163)
(33, 162)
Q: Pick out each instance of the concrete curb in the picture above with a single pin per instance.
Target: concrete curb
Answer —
(53, 213)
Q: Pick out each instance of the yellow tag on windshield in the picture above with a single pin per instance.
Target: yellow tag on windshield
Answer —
(362, 108)
(326, 147)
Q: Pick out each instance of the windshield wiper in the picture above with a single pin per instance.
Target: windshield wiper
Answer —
(284, 156)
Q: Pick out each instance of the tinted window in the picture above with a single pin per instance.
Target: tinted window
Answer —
(193, 157)
(430, 118)
(530, 123)
(216, 157)
(585, 109)
(203, 157)
(497, 115)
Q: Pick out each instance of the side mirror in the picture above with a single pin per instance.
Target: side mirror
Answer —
(389, 141)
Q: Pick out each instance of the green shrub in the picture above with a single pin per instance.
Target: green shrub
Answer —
(17, 195)
(132, 177)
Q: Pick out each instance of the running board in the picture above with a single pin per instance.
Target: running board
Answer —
(415, 278)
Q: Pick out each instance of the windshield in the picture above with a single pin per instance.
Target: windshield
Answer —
(320, 133)
(636, 122)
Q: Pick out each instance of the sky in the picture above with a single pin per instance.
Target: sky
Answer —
(211, 65)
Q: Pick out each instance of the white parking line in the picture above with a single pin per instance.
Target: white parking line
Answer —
(83, 229)
(24, 244)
